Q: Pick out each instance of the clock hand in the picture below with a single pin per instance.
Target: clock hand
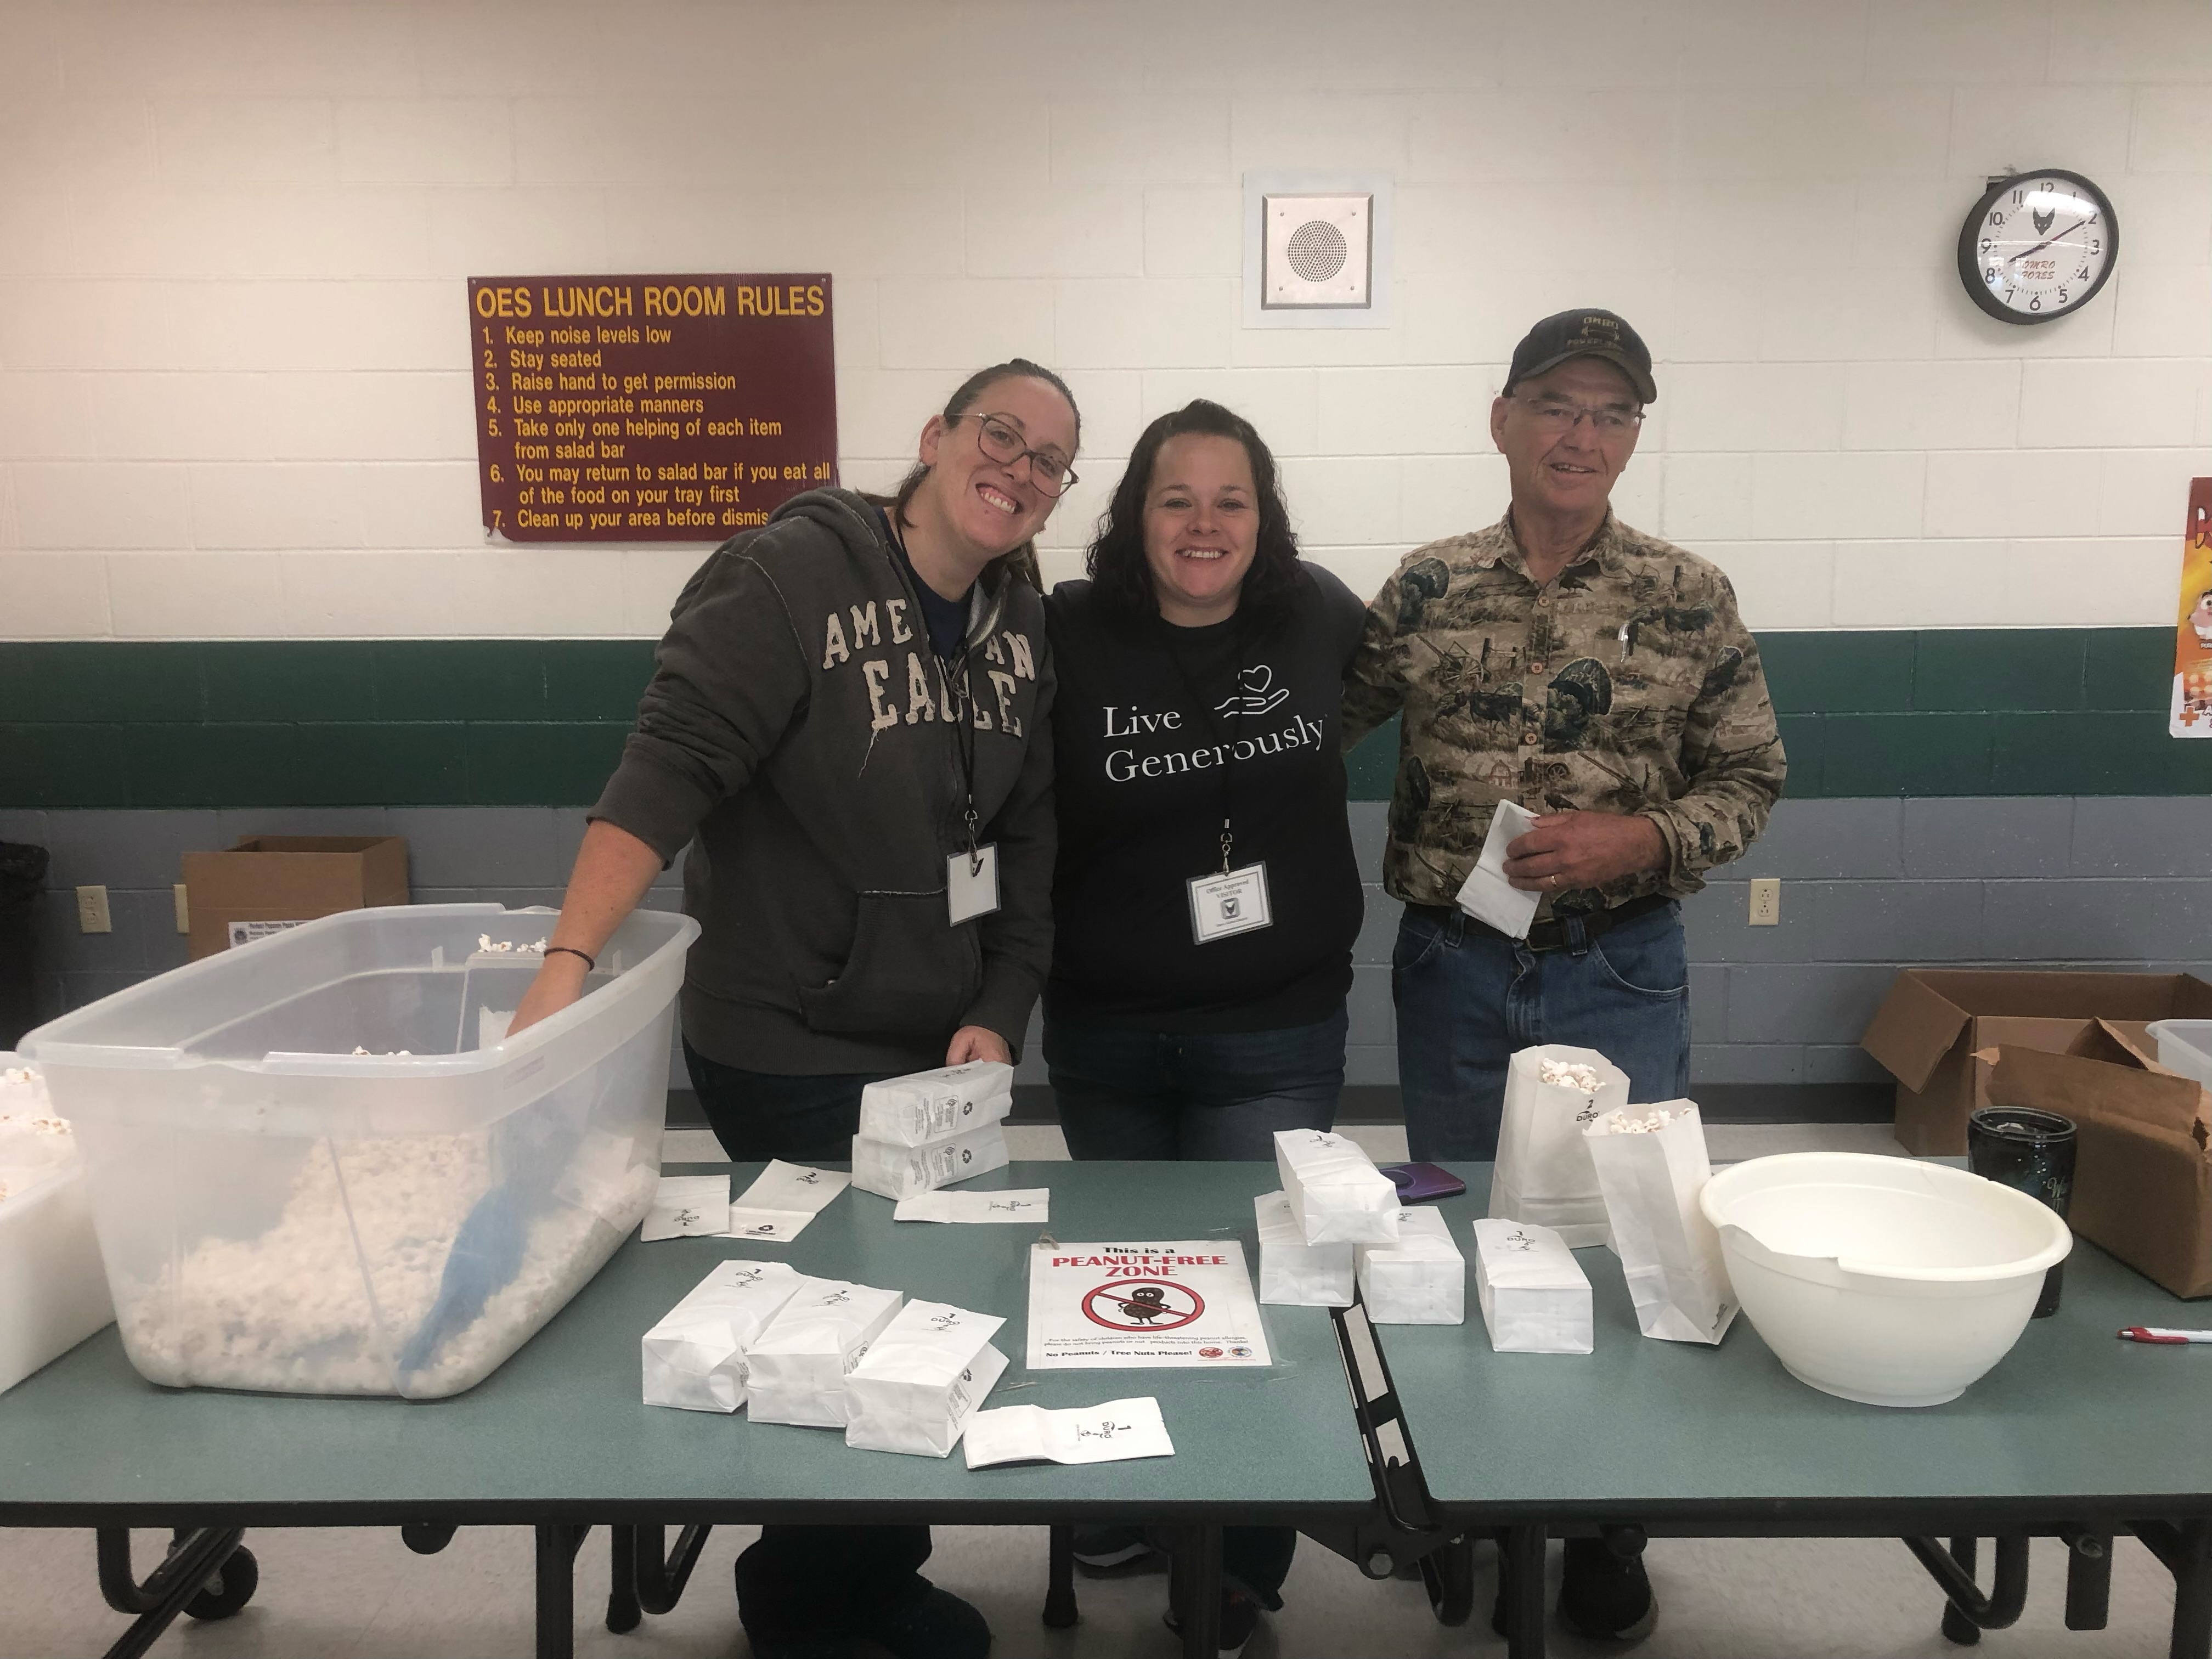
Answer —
(2048, 240)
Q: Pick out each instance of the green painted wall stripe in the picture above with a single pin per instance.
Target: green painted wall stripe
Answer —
(540, 722)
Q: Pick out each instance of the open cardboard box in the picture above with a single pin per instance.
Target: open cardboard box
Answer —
(270, 881)
(2143, 1168)
(1934, 1019)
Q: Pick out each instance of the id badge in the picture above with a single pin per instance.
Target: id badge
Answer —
(1228, 903)
(972, 883)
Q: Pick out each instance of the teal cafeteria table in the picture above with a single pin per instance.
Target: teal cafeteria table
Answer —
(557, 1440)
(2074, 1434)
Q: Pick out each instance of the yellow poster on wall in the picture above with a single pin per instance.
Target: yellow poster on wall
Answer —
(2193, 634)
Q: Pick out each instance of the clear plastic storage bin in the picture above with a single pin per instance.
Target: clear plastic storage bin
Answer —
(2185, 1046)
(316, 1165)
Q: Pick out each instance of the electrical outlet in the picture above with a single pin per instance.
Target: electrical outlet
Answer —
(183, 908)
(92, 911)
(1767, 902)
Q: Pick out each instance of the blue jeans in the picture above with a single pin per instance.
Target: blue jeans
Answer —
(758, 1116)
(1169, 1095)
(1173, 1096)
(1468, 998)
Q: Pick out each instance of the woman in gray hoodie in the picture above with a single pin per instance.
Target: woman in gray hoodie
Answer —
(850, 725)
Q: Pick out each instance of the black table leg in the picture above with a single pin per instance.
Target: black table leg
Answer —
(624, 1613)
(2185, 1548)
(1521, 1580)
(1060, 1612)
(557, 1544)
(1195, 1589)
(195, 1556)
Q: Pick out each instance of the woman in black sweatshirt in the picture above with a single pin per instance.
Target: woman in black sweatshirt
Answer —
(1206, 899)
(849, 717)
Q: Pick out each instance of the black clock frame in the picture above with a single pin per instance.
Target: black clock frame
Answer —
(1970, 262)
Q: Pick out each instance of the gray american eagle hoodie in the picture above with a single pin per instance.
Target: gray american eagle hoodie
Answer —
(799, 726)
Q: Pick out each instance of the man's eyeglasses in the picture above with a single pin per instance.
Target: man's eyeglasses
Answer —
(1003, 444)
(1558, 415)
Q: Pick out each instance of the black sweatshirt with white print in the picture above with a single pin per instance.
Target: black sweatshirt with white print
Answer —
(799, 725)
(1158, 730)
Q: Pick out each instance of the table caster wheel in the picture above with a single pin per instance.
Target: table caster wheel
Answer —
(230, 1590)
(1448, 1572)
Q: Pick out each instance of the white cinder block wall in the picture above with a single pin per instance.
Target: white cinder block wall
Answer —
(233, 345)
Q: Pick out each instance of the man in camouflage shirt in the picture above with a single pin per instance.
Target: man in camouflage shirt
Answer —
(1601, 678)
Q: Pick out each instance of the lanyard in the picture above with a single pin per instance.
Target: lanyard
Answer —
(963, 745)
(1211, 716)
(956, 675)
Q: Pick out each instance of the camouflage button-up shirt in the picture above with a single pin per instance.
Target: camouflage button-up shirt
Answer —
(1628, 684)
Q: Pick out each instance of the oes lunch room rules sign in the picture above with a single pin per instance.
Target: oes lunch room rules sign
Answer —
(630, 408)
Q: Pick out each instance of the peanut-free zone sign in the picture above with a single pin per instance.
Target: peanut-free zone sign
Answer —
(628, 409)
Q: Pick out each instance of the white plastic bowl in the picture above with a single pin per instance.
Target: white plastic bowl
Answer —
(1883, 1279)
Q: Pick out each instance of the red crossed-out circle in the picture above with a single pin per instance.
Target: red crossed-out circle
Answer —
(1110, 1305)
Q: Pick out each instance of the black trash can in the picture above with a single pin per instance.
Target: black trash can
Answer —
(23, 875)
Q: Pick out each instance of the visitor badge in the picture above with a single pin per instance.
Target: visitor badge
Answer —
(971, 883)
(1231, 901)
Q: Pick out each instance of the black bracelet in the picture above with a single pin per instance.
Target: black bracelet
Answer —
(590, 965)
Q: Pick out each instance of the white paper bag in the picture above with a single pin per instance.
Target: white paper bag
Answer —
(1335, 1191)
(1103, 1434)
(924, 1106)
(1031, 1206)
(1535, 1297)
(921, 1379)
(901, 1171)
(695, 1358)
(1487, 894)
(782, 1199)
(1421, 1279)
(1544, 1173)
(688, 1206)
(797, 1367)
(1651, 1164)
(1292, 1273)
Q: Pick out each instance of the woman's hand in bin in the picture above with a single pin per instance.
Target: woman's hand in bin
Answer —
(968, 1042)
(613, 870)
(560, 982)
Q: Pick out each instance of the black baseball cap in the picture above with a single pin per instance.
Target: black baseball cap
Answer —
(1585, 333)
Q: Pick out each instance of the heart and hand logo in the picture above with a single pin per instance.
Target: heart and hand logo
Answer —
(1256, 693)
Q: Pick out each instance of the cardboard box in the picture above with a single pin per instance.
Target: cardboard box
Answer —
(269, 882)
(2142, 1161)
(1926, 1032)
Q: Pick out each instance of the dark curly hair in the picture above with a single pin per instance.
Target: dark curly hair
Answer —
(1022, 562)
(1119, 575)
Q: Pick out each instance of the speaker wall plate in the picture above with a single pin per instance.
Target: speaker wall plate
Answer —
(1317, 250)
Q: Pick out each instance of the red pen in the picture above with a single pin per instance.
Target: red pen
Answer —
(2154, 1334)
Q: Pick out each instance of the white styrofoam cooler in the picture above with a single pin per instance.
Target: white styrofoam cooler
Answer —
(279, 1212)
(52, 1292)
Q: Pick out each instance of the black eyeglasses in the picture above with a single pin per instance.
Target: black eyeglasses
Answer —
(1003, 444)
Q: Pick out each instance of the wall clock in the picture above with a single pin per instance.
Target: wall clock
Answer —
(2037, 245)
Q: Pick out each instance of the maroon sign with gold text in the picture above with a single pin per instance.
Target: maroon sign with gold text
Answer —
(649, 409)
